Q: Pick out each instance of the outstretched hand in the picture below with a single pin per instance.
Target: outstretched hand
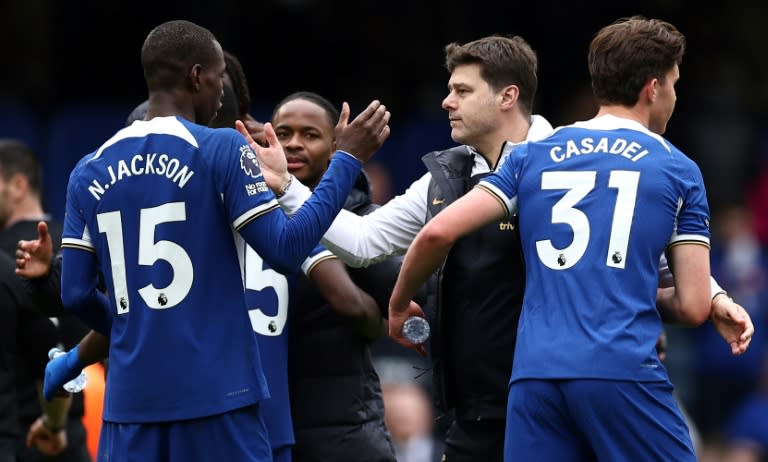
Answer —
(33, 258)
(397, 318)
(733, 323)
(272, 160)
(366, 133)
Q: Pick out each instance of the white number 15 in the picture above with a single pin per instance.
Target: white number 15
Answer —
(111, 224)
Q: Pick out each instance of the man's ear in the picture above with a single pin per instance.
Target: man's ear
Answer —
(650, 90)
(508, 96)
(18, 186)
(194, 76)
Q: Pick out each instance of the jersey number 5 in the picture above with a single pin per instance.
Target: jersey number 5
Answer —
(258, 278)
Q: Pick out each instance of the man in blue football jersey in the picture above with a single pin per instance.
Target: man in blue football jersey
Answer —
(598, 202)
(153, 209)
(267, 292)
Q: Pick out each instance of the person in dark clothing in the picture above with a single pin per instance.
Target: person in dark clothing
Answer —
(336, 399)
(20, 211)
(25, 337)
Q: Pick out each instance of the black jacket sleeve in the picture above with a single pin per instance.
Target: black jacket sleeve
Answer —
(44, 293)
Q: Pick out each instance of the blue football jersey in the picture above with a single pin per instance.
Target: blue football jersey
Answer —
(597, 203)
(267, 295)
(157, 204)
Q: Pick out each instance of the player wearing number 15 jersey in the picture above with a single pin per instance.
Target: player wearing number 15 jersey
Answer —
(598, 203)
(153, 209)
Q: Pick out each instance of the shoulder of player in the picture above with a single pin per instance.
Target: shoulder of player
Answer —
(80, 165)
(224, 140)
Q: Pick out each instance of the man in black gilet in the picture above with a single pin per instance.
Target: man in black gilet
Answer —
(20, 211)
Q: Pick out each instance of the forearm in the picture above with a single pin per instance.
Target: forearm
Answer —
(423, 258)
(92, 308)
(358, 240)
(294, 197)
(79, 293)
(284, 243)
(364, 316)
(349, 234)
(356, 307)
(45, 292)
(361, 241)
(667, 306)
(55, 411)
(93, 348)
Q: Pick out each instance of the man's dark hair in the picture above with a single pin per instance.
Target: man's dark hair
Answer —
(503, 61)
(328, 107)
(623, 56)
(171, 49)
(17, 158)
(239, 83)
(228, 113)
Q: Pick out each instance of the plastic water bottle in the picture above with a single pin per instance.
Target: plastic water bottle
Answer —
(75, 385)
(416, 329)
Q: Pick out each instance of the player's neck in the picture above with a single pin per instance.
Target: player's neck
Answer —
(635, 113)
(164, 104)
(514, 132)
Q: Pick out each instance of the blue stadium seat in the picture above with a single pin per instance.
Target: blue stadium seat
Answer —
(21, 123)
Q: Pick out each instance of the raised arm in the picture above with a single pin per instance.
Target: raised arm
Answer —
(358, 241)
(284, 243)
(41, 272)
(472, 211)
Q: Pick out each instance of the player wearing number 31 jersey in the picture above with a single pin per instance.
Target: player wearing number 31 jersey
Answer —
(590, 204)
(597, 203)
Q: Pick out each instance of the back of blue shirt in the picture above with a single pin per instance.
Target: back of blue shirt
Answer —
(267, 295)
(157, 204)
(598, 203)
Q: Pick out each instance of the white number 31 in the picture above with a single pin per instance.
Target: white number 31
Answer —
(579, 184)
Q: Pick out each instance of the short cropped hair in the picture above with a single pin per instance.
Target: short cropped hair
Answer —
(503, 61)
(239, 83)
(171, 49)
(624, 55)
(330, 110)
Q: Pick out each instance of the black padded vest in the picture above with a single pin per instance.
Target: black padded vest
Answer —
(474, 300)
